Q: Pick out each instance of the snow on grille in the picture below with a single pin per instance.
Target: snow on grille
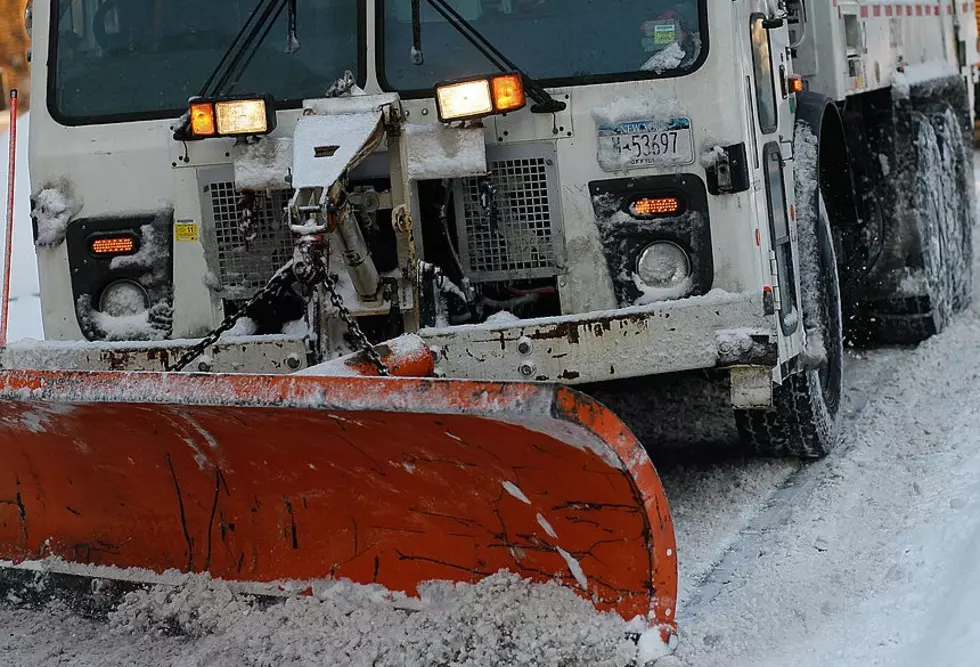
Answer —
(526, 239)
(244, 268)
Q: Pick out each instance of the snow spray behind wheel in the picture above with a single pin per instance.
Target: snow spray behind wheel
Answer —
(394, 481)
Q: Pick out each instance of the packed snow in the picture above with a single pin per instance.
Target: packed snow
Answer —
(669, 58)
(55, 208)
(434, 151)
(263, 164)
(502, 620)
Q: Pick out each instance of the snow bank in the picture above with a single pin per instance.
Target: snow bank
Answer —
(502, 620)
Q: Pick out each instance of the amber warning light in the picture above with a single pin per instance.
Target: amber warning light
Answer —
(233, 117)
(653, 206)
(113, 245)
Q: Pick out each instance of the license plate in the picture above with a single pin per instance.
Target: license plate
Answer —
(647, 143)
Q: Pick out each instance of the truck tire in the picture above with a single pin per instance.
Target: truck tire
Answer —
(803, 421)
(944, 206)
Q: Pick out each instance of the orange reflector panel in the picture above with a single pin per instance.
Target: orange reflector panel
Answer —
(202, 119)
(508, 93)
(655, 206)
(113, 245)
(794, 84)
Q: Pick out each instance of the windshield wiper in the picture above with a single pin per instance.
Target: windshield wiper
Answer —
(543, 101)
(245, 45)
(237, 57)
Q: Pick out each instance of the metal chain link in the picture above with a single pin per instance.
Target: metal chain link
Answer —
(352, 326)
(279, 280)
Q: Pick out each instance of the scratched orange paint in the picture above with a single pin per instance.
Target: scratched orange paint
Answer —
(386, 480)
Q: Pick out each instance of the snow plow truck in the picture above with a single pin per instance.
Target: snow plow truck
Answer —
(328, 286)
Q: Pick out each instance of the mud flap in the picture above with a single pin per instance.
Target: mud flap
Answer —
(389, 480)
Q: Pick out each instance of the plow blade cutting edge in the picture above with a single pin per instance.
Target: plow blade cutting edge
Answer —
(395, 481)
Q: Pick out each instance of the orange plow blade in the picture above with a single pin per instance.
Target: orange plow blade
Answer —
(378, 480)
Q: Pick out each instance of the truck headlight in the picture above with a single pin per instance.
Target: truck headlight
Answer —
(232, 117)
(663, 265)
(476, 98)
(241, 117)
(124, 298)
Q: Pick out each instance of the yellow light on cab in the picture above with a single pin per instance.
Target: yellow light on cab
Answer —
(467, 99)
(649, 206)
(113, 245)
(794, 84)
(241, 117)
(508, 93)
(202, 119)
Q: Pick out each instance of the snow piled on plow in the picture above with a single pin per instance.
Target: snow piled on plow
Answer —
(503, 620)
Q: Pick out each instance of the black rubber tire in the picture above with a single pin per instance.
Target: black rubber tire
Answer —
(945, 229)
(804, 421)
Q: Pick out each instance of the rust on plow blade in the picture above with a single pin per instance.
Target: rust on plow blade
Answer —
(388, 480)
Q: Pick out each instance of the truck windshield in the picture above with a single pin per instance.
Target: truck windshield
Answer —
(130, 59)
(554, 41)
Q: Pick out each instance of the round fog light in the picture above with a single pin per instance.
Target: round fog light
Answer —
(663, 265)
(123, 298)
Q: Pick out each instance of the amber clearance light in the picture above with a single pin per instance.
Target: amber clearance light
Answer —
(476, 98)
(647, 207)
(794, 84)
(113, 245)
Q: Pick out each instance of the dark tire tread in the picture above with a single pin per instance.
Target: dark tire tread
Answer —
(793, 428)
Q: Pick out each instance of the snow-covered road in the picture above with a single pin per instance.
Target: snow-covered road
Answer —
(870, 557)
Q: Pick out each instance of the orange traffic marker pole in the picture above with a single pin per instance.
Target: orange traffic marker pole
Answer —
(9, 239)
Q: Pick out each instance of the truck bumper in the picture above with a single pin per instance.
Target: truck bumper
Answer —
(716, 330)
(273, 355)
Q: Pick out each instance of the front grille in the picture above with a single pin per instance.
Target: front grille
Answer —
(526, 241)
(243, 267)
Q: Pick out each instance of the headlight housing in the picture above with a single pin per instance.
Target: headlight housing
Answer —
(663, 271)
(124, 298)
(470, 99)
(231, 117)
